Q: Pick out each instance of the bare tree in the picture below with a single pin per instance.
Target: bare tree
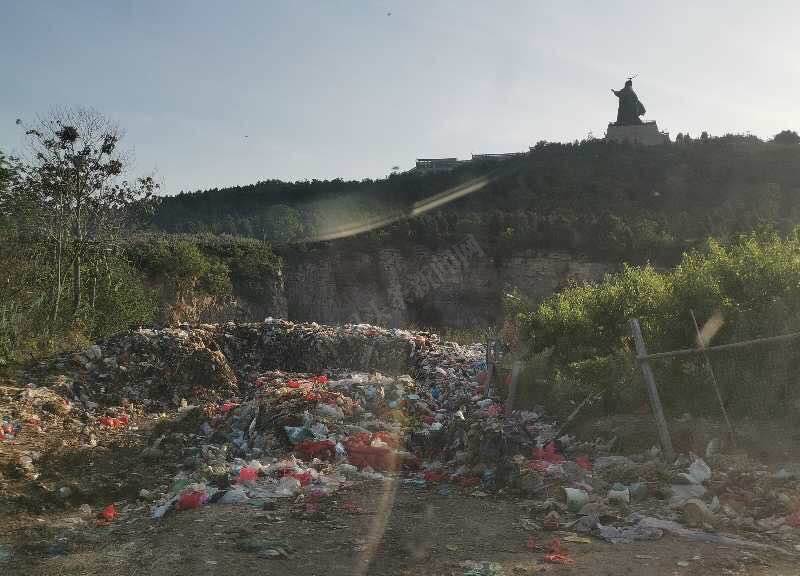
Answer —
(74, 192)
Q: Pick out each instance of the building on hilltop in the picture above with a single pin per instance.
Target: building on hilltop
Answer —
(433, 165)
(429, 165)
(496, 157)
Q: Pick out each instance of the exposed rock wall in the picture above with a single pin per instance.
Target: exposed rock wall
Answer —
(460, 286)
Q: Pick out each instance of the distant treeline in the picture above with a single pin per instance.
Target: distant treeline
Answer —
(596, 198)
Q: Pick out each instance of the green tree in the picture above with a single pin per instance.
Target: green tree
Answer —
(786, 137)
(5, 171)
(280, 224)
(77, 194)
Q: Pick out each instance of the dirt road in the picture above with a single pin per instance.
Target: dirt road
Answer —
(423, 533)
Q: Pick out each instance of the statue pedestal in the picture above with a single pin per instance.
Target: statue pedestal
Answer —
(646, 134)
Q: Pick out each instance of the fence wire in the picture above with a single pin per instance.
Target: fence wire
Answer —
(755, 380)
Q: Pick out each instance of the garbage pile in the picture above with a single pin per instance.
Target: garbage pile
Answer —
(205, 362)
(255, 414)
(302, 434)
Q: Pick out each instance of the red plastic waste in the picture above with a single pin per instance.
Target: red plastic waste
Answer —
(191, 499)
(227, 407)
(322, 449)
(247, 475)
(352, 508)
(303, 477)
(469, 481)
(359, 439)
(435, 475)
(108, 513)
(548, 454)
(362, 454)
(584, 462)
(375, 457)
(556, 554)
(320, 379)
(495, 410)
(531, 543)
(793, 519)
(110, 422)
(539, 465)
(386, 438)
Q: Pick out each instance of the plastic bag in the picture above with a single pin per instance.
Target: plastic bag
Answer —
(322, 449)
(192, 499)
(287, 487)
(556, 554)
(108, 513)
(548, 454)
(247, 475)
(235, 496)
(110, 422)
(297, 434)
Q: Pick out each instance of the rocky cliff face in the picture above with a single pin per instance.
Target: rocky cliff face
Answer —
(461, 286)
(194, 307)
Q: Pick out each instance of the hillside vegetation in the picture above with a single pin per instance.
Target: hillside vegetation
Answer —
(87, 250)
(747, 289)
(74, 263)
(594, 198)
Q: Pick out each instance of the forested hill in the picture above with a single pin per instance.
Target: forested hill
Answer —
(596, 198)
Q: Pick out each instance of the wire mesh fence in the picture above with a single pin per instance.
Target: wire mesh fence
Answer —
(758, 379)
(741, 385)
(737, 383)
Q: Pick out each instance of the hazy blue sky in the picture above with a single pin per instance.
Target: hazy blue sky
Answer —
(341, 88)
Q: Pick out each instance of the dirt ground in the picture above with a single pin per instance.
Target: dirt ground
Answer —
(367, 529)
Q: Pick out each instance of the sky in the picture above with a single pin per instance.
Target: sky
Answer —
(213, 94)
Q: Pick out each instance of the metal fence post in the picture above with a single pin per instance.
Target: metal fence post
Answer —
(512, 389)
(652, 391)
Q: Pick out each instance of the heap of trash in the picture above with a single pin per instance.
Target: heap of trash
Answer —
(282, 412)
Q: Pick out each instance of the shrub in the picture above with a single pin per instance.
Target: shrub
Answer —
(752, 284)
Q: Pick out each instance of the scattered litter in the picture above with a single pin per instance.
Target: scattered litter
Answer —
(108, 514)
(576, 539)
(556, 554)
(192, 499)
(5, 553)
(697, 515)
(698, 473)
(289, 414)
(483, 569)
(628, 534)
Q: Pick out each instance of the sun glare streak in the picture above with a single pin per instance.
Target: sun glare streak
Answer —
(710, 329)
(352, 228)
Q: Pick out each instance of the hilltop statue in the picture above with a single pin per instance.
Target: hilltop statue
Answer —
(630, 108)
(629, 127)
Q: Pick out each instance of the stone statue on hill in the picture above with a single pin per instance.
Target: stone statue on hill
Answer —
(630, 108)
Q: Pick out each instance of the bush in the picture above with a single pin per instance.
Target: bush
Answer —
(30, 326)
(786, 137)
(219, 269)
(752, 284)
